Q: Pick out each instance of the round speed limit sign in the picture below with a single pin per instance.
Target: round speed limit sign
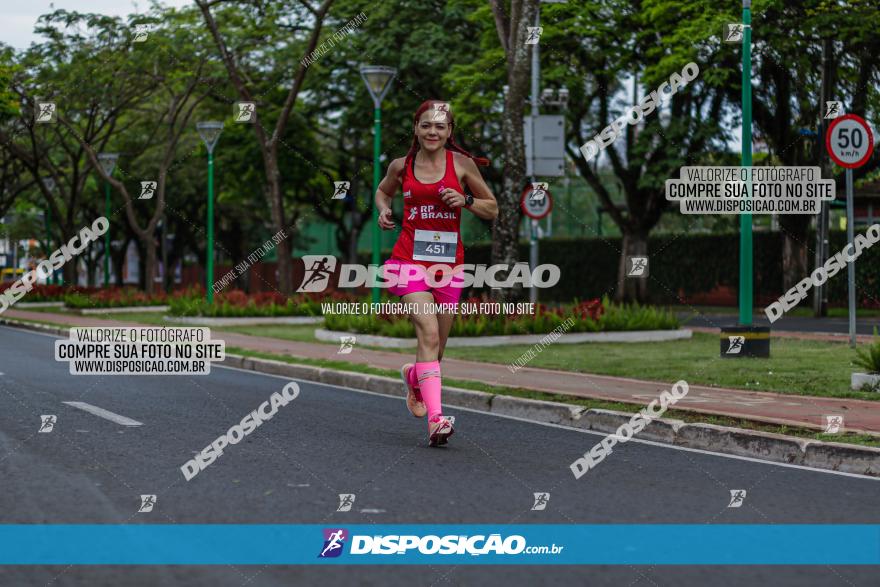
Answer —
(536, 201)
(849, 141)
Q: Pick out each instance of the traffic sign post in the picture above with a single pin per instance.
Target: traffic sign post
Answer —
(850, 143)
(536, 203)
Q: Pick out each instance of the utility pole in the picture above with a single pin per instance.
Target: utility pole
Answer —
(536, 76)
(820, 292)
(745, 220)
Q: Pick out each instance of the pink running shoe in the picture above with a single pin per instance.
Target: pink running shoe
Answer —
(414, 402)
(440, 431)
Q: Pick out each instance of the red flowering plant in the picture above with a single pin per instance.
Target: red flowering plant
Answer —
(50, 293)
(114, 297)
(267, 298)
(234, 297)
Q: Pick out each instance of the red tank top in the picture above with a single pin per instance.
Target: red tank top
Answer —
(431, 230)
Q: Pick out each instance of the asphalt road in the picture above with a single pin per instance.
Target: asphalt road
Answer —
(334, 440)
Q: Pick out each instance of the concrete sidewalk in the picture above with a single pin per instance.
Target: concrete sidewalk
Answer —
(775, 408)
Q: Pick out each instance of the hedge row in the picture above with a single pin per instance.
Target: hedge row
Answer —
(688, 263)
(588, 316)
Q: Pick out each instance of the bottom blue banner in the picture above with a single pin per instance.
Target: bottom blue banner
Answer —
(570, 544)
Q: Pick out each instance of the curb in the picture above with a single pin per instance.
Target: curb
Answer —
(243, 321)
(34, 326)
(765, 446)
(27, 305)
(119, 310)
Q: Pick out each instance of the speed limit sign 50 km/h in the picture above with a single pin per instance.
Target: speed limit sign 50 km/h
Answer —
(849, 141)
(536, 201)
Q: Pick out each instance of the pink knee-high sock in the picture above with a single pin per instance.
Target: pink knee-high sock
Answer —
(411, 377)
(428, 375)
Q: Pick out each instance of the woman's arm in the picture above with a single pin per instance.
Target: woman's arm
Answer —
(387, 188)
(484, 205)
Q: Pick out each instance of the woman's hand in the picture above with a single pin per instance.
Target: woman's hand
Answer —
(452, 198)
(386, 222)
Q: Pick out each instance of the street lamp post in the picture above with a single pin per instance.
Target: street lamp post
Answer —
(378, 80)
(745, 220)
(108, 163)
(745, 339)
(210, 133)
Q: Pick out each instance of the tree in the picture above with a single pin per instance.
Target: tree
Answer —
(178, 72)
(638, 44)
(793, 43)
(246, 29)
(86, 76)
(336, 109)
(511, 24)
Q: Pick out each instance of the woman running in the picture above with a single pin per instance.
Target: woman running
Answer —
(432, 176)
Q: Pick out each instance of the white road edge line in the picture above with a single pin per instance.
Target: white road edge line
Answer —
(102, 413)
(636, 440)
(551, 425)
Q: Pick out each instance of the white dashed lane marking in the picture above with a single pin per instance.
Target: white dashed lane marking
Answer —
(102, 413)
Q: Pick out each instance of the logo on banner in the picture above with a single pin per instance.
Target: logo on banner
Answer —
(319, 269)
(334, 541)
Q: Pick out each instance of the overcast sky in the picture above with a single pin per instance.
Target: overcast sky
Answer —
(20, 16)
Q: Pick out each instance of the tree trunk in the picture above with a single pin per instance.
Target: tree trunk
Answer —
(149, 265)
(91, 264)
(353, 237)
(118, 261)
(794, 248)
(70, 271)
(276, 203)
(505, 231)
(351, 246)
(631, 289)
